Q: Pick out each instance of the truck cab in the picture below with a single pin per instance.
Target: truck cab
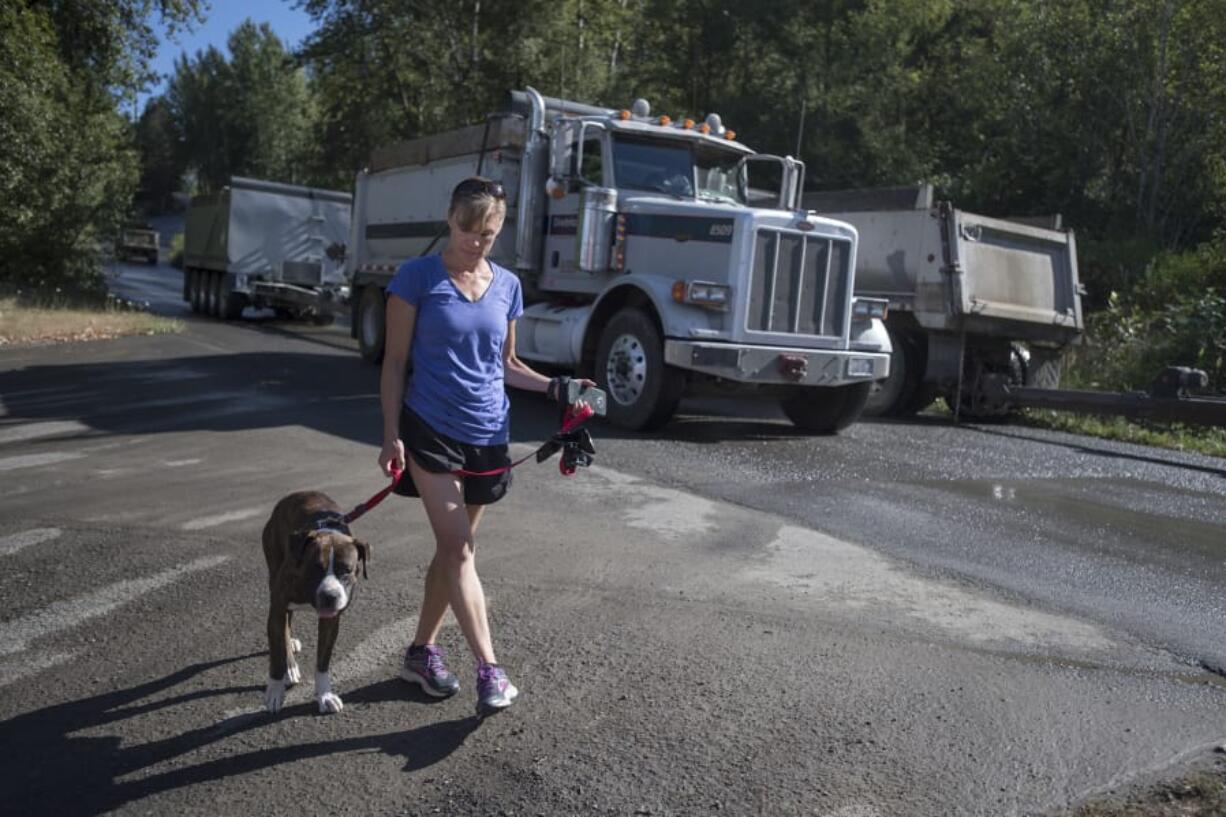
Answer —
(660, 257)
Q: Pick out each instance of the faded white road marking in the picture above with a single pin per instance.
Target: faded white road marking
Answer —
(221, 518)
(384, 646)
(16, 541)
(854, 811)
(853, 577)
(13, 670)
(33, 431)
(35, 460)
(180, 463)
(64, 615)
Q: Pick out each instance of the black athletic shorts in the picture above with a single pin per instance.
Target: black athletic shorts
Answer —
(440, 454)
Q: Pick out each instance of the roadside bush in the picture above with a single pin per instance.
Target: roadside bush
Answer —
(1174, 316)
(68, 169)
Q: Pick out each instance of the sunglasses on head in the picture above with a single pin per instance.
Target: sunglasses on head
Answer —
(470, 188)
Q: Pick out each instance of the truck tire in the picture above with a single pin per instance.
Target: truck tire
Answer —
(232, 306)
(893, 397)
(643, 390)
(215, 282)
(825, 409)
(372, 307)
(195, 286)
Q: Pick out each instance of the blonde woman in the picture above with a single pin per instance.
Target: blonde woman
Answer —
(452, 315)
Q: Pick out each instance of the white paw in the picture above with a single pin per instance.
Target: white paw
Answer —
(330, 703)
(293, 675)
(274, 695)
(295, 645)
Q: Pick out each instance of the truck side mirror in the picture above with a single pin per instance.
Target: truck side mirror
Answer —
(562, 148)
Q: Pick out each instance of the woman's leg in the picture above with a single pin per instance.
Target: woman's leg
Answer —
(453, 568)
(436, 598)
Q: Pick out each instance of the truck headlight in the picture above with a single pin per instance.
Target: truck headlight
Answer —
(702, 293)
(860, 367)
(868, 308)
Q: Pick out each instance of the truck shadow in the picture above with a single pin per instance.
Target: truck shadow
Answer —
(54, 769)
(333, 392)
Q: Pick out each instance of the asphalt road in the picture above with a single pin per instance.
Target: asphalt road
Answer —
(721, 618)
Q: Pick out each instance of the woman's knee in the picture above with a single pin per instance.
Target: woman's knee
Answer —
(455, 552)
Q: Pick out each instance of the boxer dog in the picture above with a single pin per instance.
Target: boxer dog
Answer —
(313, 563)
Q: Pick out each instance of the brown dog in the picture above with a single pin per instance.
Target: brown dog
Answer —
(313, 563)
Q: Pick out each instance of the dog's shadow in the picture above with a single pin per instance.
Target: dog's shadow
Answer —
(54, 769)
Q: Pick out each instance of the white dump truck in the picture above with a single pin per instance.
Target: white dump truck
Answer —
(658, 256)
(267, 245)
(973, 299)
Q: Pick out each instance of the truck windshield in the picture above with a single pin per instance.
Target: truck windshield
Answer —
(677, 168)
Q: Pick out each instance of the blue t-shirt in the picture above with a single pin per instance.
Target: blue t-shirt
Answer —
(456, 385)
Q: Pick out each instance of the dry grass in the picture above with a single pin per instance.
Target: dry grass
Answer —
(23, 325)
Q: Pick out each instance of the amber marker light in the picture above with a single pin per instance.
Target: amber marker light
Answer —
(679, 292)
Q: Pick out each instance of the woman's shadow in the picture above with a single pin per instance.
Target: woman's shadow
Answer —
(51, 768)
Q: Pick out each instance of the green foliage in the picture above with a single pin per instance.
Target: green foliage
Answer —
(247, 116)
(69, 168)
(162, 164)
(1174, 316)
(65, 182)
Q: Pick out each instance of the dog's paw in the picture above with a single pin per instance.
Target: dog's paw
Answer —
(274, 695)
(293, 675)
(330, 703)
(295, 645)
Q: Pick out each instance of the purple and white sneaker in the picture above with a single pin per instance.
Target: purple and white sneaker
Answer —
(424, 666)
(495, 691)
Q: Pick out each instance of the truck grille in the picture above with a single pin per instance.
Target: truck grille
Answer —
(799, 284)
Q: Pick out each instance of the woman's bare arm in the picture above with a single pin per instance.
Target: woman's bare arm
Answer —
(397, 341)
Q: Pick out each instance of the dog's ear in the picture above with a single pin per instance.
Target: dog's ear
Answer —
(363, 555)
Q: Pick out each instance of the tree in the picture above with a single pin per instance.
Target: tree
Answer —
(161, 164)
(69, 167)
(249, 115)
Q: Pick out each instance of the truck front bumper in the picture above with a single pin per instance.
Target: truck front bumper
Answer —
(779, 365)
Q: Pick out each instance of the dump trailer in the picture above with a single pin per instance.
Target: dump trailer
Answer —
(267, 245)
(659, 256)
(971, 298)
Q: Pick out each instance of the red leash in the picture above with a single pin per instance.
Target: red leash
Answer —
(571, 420)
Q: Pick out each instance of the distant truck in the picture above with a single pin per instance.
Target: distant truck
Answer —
(660, 257)
(267, 245)
(138, 241)
(972, 299)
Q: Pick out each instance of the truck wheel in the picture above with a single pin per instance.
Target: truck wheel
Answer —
(232, 306)
(195, 286)
(213, 293)
(371, 316)
(825, 409)
(892, 397)
(643, 391)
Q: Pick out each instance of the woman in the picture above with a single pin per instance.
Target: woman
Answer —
(453, 316)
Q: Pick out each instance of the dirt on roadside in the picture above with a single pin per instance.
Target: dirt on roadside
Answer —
(1199, 793)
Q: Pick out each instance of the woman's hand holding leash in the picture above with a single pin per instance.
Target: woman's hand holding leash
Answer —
(567, 391)
(391, 457)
